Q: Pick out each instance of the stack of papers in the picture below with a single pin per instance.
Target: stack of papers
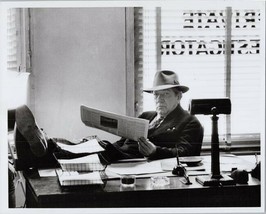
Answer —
(86, 163)
(75, 178)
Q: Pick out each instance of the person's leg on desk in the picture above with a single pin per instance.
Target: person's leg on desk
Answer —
(34, 147)
(41, 148)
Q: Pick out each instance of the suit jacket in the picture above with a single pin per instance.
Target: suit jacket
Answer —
(179, 131)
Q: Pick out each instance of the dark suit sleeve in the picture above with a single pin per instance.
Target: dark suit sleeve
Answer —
(188, 141)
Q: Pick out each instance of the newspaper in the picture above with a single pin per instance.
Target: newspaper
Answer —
(121, 125)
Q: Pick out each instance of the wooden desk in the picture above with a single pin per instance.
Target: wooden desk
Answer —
(45, 192)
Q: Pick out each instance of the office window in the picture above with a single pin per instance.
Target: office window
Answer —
(216, 51)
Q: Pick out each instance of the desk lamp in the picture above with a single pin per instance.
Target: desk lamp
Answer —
(213, 107)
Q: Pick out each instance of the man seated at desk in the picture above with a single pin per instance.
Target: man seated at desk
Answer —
(172, 130)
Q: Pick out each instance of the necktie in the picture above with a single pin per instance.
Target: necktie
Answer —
(156, 123)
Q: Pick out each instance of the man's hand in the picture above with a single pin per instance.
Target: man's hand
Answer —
(146, 147)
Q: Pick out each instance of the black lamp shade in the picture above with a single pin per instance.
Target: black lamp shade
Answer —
(205, 106)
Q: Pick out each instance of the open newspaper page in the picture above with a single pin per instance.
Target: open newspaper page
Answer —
(121, 125)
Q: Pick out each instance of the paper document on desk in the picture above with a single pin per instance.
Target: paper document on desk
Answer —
(135, 168)
(170, 163)
(123, 126)
(228, 162)
(90, 146)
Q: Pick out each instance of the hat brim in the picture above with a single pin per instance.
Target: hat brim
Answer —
(182, 88)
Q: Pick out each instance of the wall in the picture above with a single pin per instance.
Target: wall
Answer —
(16, 87)
(78, 57)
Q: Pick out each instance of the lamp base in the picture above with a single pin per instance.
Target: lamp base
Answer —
(207, 180)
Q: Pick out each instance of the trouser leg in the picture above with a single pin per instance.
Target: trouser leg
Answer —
(27, 126)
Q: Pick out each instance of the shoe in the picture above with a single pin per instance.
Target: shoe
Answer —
(110, 153)
(28, 128)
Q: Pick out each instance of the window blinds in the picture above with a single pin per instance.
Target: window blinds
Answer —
(12, 40)
(18, 48)
(193, 44)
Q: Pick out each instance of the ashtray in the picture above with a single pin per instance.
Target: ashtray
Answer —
(190, 161)
(128, 180)
(159, 181)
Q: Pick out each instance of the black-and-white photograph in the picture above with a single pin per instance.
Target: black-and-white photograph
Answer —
(132, 106)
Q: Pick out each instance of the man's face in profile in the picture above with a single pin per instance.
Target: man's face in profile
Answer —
(166, 101)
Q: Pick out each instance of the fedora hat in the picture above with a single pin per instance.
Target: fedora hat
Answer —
(164, 80)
